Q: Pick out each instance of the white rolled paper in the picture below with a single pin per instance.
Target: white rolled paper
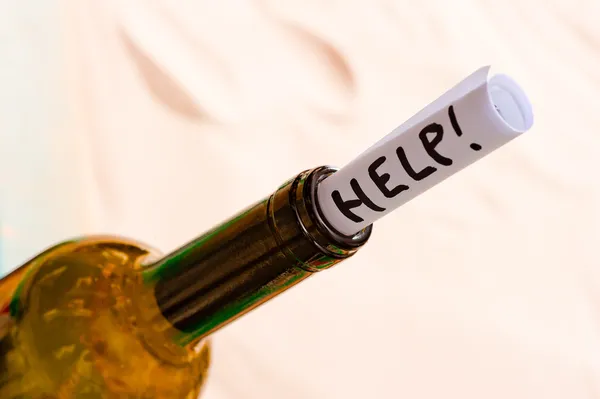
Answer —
(474, 118)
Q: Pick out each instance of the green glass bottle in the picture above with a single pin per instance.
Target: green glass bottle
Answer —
(105, 317)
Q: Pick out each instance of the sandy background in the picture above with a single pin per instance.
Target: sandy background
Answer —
(157, 119)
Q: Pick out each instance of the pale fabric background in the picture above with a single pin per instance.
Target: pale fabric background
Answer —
(157, 119)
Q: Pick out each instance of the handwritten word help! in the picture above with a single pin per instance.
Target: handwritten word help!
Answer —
(471, 120)
(430, 136)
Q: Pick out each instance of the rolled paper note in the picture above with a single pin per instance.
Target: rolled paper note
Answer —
(474, 118)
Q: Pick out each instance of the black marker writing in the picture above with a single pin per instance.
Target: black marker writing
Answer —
(458, 130)
(417, 176)
(430, 136)
(381, 179)
(346, 206)
(453, 121)
(429, 145)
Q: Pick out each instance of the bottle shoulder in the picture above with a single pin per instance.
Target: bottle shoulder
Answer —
(74, 262)
(81, 309)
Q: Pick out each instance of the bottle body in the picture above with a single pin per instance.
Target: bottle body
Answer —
(78, 322)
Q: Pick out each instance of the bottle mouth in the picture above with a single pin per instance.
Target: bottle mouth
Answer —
(511, 103)
(324, 235)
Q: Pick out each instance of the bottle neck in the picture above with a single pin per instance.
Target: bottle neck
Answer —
(249, 259)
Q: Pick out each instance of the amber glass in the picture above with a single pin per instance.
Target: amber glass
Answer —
(78, 322)
(102, 318)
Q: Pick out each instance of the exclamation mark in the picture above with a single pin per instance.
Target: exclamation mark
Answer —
(457, 129)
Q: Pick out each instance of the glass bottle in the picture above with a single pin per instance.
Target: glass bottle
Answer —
(106, 317)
